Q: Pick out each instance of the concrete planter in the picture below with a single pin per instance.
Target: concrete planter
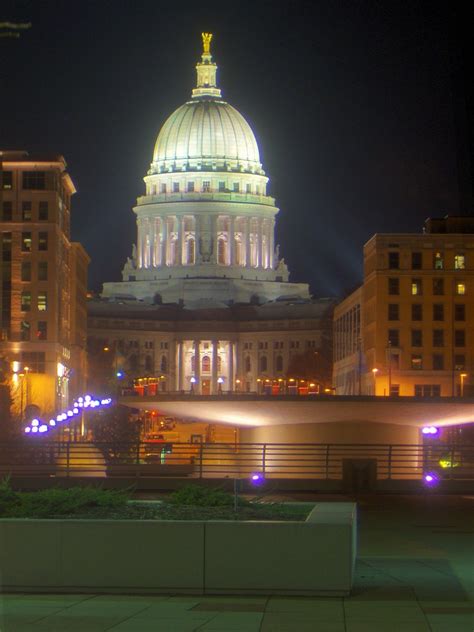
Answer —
(315, 557)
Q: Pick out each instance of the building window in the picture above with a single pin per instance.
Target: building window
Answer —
(35, 360)
(438, 287)
(438, 337)
(42, 241)
(163, 187)
(248, 365)
(416, 260)
(191, 187)
(7, 180)
(459, 338)
(459, 362)
(438, 362)
(393, 338)
(175, 187)
(427, 390)
(7, 211)
(394, 390)
(25, 331)
(393, 260)
(460, 289)
(42, 333)
(26, 242)
(26, 271)
(459, 262)
(206, 186)
(222, 187)
(26, 301)
(248, 188)
(263, 363)
(417, 311)
(26, 211)
(206, 364)
(42, 271)
(438, 261)
(34, 180)
(416, 287)
(416, 338)
(42, 301)
(416, 362)
(43, 211)
(394, 287)
(279, 363)
(393, 311)
(438, 311)
(236, 187)
(460, 312)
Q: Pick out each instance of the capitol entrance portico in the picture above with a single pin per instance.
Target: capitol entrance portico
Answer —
(214, 370)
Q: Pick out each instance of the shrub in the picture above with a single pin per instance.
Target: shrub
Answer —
(8, 498)
(203, 497)
(56, 502)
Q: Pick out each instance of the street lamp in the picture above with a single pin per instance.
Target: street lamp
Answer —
(374, 373)
(462, 376)
(193, 382)
(220, 381)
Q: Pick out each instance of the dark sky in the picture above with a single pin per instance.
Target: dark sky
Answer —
(351, 104)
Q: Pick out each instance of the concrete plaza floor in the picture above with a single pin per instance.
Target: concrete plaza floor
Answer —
(415, 573)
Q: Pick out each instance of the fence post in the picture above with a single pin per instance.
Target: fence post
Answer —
(264, 454)
(390, 461)
(67, 458)
(200, 460)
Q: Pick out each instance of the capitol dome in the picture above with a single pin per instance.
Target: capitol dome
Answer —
(206, 133)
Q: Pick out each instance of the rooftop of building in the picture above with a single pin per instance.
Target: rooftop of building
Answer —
(275, 310)
(21, 156)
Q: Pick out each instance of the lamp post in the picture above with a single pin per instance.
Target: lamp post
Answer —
(220, 381)
(374, 373)
(462, 376)
(237, 385)
(193, 382)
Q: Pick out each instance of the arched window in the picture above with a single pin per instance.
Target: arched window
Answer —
(279, 363)
(219, 364)
(148, 364)
(193, 364)
(190, 252)
(164, 364)
(206, 364)
(248, 364)
(263, 363)
(221, 251)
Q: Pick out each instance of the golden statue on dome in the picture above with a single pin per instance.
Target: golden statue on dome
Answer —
(206, 43)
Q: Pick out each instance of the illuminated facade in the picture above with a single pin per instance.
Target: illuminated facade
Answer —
(205, 226)
(409, 329)
(44, 277)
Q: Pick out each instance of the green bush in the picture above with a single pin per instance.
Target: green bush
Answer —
(197, 496)
(56, 502)
(8, 498)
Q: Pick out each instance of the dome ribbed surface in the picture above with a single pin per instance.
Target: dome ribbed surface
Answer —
(203, 132)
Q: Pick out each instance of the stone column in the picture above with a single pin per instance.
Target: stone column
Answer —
(272, 243)
(230, 364)
(180, 366)
(197, 366)
(247, 242)
(232, 241)
(214, 375)
(164, 249)
(259, 243)
(139, 243)
(179, 245)
(197, 237)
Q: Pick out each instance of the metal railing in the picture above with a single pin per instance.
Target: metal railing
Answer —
(229, 460)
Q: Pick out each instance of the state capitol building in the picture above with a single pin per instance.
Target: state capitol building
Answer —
(205, 304)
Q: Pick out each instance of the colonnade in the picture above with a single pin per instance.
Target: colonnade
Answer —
(205, 367)
(186, 240)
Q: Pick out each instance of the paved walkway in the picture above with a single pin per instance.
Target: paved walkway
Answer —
(415, 574)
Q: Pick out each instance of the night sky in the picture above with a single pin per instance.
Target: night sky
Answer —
(351, 104)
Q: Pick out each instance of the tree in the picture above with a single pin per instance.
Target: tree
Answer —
(117, 432)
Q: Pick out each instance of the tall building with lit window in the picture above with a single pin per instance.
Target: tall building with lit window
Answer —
(409, 329)
(44, 276)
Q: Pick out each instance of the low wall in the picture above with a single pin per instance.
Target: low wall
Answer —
(315, 557)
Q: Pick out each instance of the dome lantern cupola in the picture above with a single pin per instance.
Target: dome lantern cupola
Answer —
(206, 72)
